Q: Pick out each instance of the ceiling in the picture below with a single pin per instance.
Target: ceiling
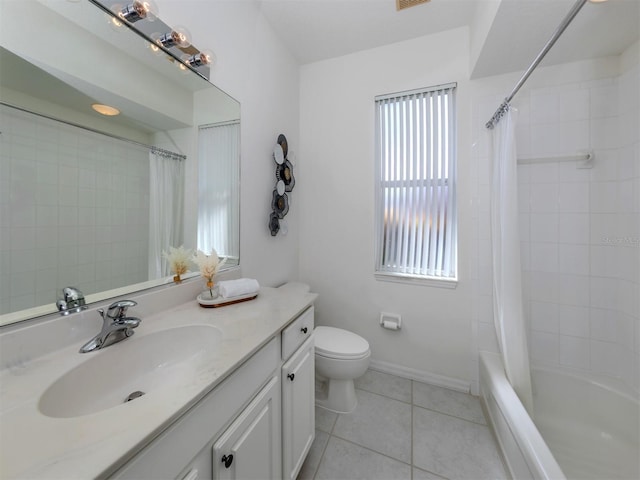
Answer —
(314, 30)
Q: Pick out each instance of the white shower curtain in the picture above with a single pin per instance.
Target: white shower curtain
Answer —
(508, 311)
(166, 201)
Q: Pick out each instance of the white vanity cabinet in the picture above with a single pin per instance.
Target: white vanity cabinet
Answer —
(258, 423)
(241, 416)
(250, 447)
(298, 390)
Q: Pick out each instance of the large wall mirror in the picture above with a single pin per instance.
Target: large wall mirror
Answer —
(91, 201)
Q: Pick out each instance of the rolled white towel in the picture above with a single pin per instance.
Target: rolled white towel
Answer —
(235, 288)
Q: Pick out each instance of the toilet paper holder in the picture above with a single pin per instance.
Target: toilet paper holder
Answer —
(390, 321)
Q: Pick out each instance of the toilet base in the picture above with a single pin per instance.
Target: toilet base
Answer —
(337, 396)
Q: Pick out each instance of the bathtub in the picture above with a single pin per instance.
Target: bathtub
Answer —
(582, 430)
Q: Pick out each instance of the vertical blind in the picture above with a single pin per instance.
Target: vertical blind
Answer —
(415, 183)
(218, 150)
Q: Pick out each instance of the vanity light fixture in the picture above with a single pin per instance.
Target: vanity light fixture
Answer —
(177, 37)
(139, 10)
(199, 59)
(105, 109)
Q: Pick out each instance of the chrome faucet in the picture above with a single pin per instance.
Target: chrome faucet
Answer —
(72, 301)
(115, 325)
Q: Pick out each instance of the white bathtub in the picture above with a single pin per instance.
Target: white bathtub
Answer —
(591, 429)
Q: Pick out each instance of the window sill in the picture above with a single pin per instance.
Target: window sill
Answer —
(413, 280)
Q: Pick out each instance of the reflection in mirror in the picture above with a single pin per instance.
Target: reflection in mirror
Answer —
(91, 201)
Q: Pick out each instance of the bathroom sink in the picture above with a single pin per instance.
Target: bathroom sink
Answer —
(125, 370)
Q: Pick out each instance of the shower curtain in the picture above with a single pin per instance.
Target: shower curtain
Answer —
(166, 200)
(508, 311)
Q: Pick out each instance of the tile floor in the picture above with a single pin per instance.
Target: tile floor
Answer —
(403, 430)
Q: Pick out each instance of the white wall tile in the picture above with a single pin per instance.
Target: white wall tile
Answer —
(544, 317)
(603, 324)
(574, 352)
(604, 101)
(574, 289)
(573, 259)
(544, 198)
(574, 228)
(544, 257)
(574, 320)
(605, 357)
(545, 348)
(573, 197)
(604, 197)
(574, 105)
(544, 106)
(604, 292)
(544, 227)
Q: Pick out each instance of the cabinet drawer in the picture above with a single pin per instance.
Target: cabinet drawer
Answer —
(295, 334)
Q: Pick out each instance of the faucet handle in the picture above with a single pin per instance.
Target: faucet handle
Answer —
(119, 309)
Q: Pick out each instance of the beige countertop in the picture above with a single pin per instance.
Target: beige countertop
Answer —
(33, 445)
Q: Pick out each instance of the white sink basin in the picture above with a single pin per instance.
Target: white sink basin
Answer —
(138, 364)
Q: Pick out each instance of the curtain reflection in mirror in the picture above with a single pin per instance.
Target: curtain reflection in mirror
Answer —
(218, 215)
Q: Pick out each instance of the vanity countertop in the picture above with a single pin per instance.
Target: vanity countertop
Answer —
(33, 445)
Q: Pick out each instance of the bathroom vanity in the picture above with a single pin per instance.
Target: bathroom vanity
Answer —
(227, 393)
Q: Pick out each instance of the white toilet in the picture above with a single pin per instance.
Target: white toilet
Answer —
(341, 357)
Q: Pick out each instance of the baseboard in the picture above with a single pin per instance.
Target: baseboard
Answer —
(420, 375)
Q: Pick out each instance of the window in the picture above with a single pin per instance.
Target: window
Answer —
(218, 190)
(416, 234)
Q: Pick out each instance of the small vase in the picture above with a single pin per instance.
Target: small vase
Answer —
(211, 292)
(177, 279)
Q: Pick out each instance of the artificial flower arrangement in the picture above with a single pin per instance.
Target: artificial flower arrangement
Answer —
(179, 260)
(209, 266)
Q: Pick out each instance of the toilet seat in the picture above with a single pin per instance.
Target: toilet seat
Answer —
(340, 344)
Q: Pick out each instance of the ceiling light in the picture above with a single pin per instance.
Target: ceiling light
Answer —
(402, 4)
(105, 109)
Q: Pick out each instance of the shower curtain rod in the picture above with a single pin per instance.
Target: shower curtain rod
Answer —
(93, 130)
(561, 28)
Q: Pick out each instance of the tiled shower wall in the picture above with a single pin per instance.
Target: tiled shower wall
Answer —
(579, 228)
(73, 211)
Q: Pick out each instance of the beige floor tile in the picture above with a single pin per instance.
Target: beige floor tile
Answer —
(379, 423)
(448, 401)
(385, 384)
(454, 448)
(345, 461)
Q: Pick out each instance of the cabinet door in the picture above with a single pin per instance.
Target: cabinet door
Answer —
(250, 447)
(298, 408)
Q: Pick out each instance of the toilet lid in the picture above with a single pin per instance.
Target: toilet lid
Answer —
(338, 343)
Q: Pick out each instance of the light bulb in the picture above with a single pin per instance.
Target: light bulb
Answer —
(204, 57)
(139, 10)
(177, 37)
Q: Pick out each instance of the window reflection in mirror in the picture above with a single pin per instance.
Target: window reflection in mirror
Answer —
(76, 205)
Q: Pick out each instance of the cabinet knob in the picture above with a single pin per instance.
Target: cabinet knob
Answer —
(227, 460)
(291, 376)
(303, 329)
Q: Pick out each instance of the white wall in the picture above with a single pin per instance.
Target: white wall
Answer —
(337, 205)
(579, 228)
(254, 68)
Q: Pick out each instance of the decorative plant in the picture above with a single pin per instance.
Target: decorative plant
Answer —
(209, 266)
(179, 260)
